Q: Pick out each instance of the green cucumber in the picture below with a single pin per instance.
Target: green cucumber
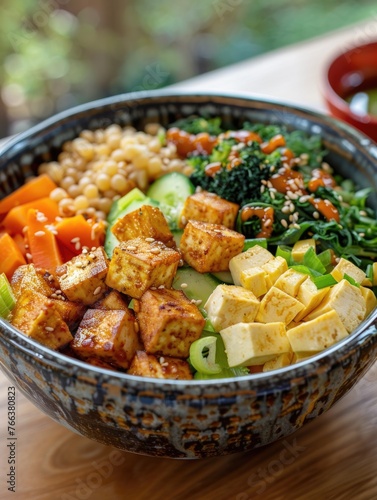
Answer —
(224, 277)
(111, 241)
(120, 205)
(177, 235)
(199, 286)
(171, 191)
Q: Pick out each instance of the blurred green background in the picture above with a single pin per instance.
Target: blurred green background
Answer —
(58, 53)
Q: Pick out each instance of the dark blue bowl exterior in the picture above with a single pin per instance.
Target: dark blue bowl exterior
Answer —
(176, 418)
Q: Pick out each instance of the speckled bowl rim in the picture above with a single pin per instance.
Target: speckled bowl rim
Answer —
(324, 360)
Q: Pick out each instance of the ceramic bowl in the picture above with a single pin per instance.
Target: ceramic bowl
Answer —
(354, 70)
(185, 419)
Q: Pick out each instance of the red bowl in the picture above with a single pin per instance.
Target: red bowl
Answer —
(352, 71)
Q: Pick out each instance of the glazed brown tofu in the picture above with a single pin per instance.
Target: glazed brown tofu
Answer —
(169, 322)
(27, 277)
(109, 336)
(38, 317)
(145, 222)
(209, 207)
(209, 247)
(71, 312)
(82, 279)
(149, 365)
(138, 264)
(113, 301)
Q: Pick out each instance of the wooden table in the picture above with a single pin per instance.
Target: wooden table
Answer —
(334, 457)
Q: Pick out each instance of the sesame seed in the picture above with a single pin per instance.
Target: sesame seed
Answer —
(161, 287)
(272, 194)
(85, 250)
(58, 219)
(291, 207)
(285, 209)
(193, 301)
(183, 220)
(303, 199)
(25, 229)
(49, 329)
(184, 285)
(363, 213)
(304, 156)
(40, 233)
(262, 189)
(97, 290)
(149, 240)
(263, 182)
(296, 226)
(75, 240)
(272, 168)
(316, 215)
(269, 184)
(284, 223)
(155, 250)
(290, 218)
(326, 167)
(198, 189)
(362, 235)
(131, 248)
(217, 231)
(198, 302)
(268, 223)
(77, 246)
(29, 256)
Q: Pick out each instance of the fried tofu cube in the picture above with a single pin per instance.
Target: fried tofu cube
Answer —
(249, 344)
(110, 336)
(145, 222)
(209, 207)
(137, 265)
(149, 365)
(27, 277)
(82, 279)
(370, 299)
(246, 269)
(346, 267)
(38, 317)
(300, 248)
(169, 322)
(280, 361)
(290, 282)
(209, 247)
(278, 306)
(231, 304)
(318, 334)
(113, 301)
(348, 302)
(310, 296)
(71, 312)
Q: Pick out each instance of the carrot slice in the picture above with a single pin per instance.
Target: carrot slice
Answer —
(37, 188)
(43, 246)
(11, 256)
(19, 239)
(76, 232)
(16, 218)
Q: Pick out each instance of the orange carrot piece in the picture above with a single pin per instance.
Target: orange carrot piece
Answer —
(43, 246)
(15, 220)
(76, 232)
(37, 188)
(20, 242)
(10, 256)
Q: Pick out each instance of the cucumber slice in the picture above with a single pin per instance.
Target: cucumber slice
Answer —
(111, 241)
(199, 286)
(224, 277)
(118, 206)
(171, 190)
(177, 235)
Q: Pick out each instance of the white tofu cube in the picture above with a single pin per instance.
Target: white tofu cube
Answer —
(274, 268)
(280, 361)
(300, 248)
(310, 296)
(370, 299)
(318, 334)
(230, 304)
(277, 305)
(256, 256)
(249, 344)
(254, 279)
(290, 282)
(346, 267)
(347, 301)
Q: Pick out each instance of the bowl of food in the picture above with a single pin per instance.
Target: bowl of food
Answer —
(351, 87)
(187, 275)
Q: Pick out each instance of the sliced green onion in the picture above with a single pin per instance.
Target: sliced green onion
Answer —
(369, 272)
(285, 252)
(312, 261)
(238, 371)
(351, 280)
(324, 281)
(203, 355)
(300, 268)
(131, 305)
(4, 309)
(262, 242)
(6, 295)
(325, 257)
